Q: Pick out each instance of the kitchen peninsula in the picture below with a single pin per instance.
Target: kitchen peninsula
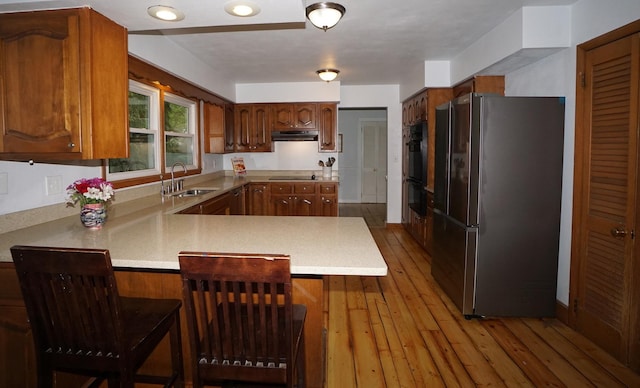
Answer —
(145, 235)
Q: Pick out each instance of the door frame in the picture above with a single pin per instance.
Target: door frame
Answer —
(633, 355)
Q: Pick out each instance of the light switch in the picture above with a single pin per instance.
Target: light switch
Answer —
(54, 184)
(4, 183)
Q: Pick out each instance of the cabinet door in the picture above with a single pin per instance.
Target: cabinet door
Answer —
(258, 199)
(283, 117)
(40, 73)
(327, 127)
(304, 116)
(238, 201)
(64, 86)
(261, 130)
(220, 205)
(327, 206)
(304, 205)
(243, 121)
(214, 128)
(229, 128)
(281, 205)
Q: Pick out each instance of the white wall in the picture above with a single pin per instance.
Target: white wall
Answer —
(555, 75)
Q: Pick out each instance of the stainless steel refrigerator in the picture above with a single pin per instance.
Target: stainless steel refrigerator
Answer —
(497, 196)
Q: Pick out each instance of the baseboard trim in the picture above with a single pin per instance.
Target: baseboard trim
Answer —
(562, 312)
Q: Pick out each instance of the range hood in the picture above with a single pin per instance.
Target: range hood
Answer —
(294, 135)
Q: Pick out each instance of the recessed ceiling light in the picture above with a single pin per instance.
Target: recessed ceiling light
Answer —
(242, 8)
(165, 13)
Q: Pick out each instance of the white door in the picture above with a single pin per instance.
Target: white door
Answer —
(374, 161)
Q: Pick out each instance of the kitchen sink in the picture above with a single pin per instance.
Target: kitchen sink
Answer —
(192, 192)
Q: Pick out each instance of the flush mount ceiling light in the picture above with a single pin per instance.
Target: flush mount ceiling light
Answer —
(165, 13)
(325, 15)
(242, 8)
(328, 74)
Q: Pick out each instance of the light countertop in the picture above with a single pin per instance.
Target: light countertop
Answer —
(146, 234)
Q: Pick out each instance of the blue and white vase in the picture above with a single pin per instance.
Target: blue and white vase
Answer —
(93, 215)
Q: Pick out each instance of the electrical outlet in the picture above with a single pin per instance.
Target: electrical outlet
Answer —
(54, 184)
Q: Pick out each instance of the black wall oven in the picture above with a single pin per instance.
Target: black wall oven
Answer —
(417, 151)
(417, 168)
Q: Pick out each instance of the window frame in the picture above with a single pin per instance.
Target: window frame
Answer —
(154, 95)
(162, 171)
(192, 132)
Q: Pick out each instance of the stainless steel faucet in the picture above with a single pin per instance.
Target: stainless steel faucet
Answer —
(177, 185)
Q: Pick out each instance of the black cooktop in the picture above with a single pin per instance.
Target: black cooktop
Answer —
(291, 178)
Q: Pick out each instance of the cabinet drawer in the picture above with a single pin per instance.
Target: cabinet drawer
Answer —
(327, 188)
(304, 188)
(281, 188)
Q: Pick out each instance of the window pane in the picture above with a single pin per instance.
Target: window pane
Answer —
(141, 154)
(179, 149)
(138, 110)
(176, 118)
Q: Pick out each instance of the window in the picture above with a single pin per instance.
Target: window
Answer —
(175, 124)
(144, 123)
(179, 130)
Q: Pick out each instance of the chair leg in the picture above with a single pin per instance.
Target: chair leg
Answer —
(45, 376)
(301, 363)
(176, 352)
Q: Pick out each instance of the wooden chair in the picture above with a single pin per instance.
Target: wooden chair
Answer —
(80, 323)
(243, 326)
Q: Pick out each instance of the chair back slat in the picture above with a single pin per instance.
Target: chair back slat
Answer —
(71, 295)
(236, 303)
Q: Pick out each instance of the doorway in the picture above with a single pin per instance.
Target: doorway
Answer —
(374, 161)
(605, 271)
(351, 122)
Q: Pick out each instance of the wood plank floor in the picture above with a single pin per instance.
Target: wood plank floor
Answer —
(401, 330)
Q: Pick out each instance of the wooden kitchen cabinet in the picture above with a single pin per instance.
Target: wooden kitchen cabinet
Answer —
(229, 128)
(327, 200)
(219, 205)
(327, 127)
(293, 116)
(258, 199)
(237, 201)
(214, 128)
(63, 86)
(480, 84)
(252, 128)
(293, 199)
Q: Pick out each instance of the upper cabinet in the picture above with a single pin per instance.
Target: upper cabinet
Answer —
(327, 128)
(218, 128)
(293, 116)
(214, 139)
(252, 130)
(480, 84)
(63, 86)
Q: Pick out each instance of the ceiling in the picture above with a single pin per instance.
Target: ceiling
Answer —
(372, 45)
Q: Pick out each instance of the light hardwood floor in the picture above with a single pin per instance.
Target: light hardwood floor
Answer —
(401, 330)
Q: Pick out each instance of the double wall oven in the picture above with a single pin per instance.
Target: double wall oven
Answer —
(417, 168)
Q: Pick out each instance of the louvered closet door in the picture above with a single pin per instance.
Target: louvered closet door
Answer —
(605, 306)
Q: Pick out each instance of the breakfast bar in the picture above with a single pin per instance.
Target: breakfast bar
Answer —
(144, 243)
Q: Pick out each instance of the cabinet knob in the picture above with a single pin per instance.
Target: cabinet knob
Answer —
(71, 145)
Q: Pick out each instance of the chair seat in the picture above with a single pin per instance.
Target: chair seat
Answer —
(147, 321)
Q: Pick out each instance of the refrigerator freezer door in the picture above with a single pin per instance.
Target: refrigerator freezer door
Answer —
(442, 152)
(454, 260)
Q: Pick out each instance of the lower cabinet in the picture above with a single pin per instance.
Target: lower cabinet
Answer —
(421, 227)
(274, 199)
(257, 199)
(220, 205)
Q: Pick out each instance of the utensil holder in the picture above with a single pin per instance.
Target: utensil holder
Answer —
(326, 172)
